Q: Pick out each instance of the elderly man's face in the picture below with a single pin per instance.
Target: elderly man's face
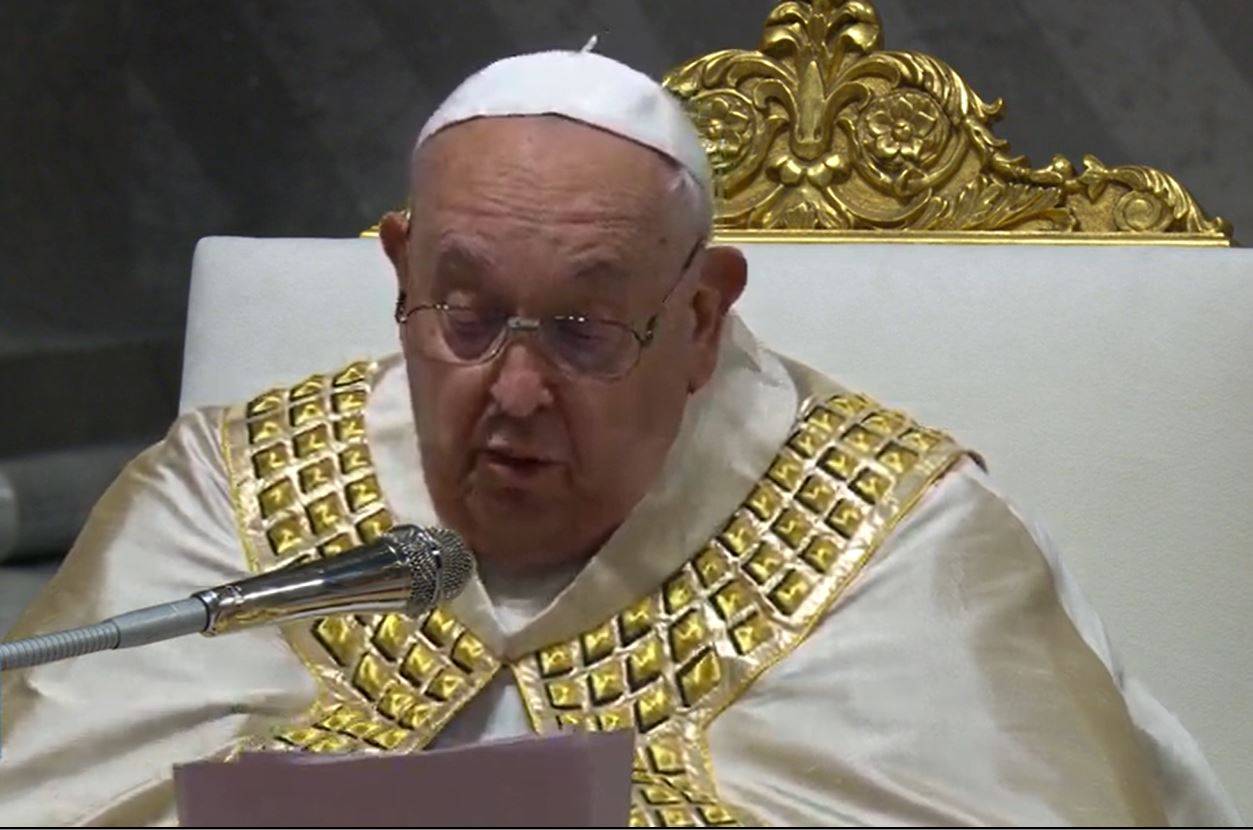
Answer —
(540, 216)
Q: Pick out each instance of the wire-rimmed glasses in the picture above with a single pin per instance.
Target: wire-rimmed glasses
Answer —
(579, 345)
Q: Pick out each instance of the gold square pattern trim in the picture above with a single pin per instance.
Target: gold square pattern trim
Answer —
(671, 662)
(666, 666)
(304, 487)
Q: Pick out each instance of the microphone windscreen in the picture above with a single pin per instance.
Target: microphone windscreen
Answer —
(440, 561)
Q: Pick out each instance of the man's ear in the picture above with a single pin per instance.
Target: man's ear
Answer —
(724, 272)
(394, 234)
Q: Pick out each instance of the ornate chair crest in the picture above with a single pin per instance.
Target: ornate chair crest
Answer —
(822, 135)
(820, 129)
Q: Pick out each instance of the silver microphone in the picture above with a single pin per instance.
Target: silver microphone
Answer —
(408, 569)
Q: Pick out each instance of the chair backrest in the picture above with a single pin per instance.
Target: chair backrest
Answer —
(1109, 388)
(264, 310)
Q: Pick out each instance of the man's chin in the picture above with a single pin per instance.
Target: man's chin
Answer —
(514, 555)
(518, 533)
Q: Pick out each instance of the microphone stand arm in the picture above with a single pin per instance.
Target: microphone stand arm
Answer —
(376, 577)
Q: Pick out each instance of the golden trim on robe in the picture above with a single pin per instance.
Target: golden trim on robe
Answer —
(304, 486)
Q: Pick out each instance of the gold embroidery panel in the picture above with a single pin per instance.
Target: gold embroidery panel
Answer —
(670, 663)
(304, 487)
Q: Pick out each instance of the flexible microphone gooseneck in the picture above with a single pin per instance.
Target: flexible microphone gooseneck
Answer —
(408, 569)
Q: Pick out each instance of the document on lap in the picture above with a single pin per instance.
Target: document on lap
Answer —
(564, 780)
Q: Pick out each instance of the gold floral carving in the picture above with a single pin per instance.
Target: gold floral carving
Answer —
(821, 129)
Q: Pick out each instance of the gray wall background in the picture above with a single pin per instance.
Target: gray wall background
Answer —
(128, 130)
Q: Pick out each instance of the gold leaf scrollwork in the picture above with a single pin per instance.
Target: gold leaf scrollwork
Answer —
(819, 129)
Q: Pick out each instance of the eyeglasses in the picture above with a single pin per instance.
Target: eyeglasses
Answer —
(578, 345)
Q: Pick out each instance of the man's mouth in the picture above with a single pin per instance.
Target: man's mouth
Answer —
(514, 465)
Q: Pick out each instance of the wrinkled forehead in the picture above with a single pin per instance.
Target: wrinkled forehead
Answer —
(546, 179)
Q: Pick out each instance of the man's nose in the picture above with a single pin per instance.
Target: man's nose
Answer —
(522, 384)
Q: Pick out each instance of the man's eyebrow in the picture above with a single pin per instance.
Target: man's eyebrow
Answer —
(457, 260)
(601, 270)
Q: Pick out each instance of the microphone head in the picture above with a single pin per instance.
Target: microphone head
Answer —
(439, 561)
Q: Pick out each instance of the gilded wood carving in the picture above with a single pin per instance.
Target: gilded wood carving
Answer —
(820, 129)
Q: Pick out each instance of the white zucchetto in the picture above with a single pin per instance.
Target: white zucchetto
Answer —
(582, 86)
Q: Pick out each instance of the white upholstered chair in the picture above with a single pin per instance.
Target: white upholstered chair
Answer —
(1110, 390)
(1108, 386)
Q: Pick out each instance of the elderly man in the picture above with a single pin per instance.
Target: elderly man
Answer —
(809, 608)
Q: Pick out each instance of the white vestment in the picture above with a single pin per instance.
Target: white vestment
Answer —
(960, 679)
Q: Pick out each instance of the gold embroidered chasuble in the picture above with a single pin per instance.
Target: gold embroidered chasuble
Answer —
(303, 485)
(962, 638)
